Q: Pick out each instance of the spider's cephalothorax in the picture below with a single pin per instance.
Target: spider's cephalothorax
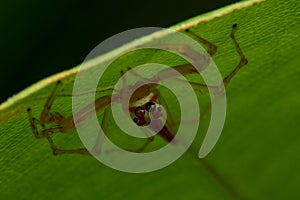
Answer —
(142, 102)
(145, 110)
(152, 114)
(144, 106)
(142, 115)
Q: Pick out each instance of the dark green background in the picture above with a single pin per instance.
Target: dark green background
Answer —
(40, 38)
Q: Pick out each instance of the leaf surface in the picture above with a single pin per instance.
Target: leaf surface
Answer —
(257, 156)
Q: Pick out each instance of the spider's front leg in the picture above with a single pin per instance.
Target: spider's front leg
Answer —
(46, 117)
(189, 68)
(243, 59)
(212, 49)
(199, 60)
(219, 90)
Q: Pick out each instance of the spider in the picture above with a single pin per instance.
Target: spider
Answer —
(146, 106)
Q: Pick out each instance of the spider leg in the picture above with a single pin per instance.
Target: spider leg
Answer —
(45, 115)
(96, 150)
(44, 133)
(188, 68)
(212, 49)
(133, 72)
(227, 79)
(122, 92)
(201, 60)
(143, 147)
(169, 121)
(57, 151)
(109, 88)
(63, 124)
(243, 60)
(139, 149)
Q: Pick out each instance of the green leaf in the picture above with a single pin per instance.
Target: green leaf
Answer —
(257, 156)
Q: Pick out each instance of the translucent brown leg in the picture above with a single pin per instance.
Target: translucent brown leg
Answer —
(143, 147)
(243, 60)
(170, 121)
(45, 132)
(227, 79)
(57, 151)
(109, 88)
(33, 123)
(96, 150)
(45, 115)
(202, 60)
(212, 49)
(139, 149)
(104, 126)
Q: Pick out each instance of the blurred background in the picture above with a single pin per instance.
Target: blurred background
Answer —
(40, 38)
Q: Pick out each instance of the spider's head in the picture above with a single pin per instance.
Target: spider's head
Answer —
(142, 115)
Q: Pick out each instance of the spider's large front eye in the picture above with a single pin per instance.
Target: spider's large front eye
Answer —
(150, 106)
(159, 109)
(136, 120)
(139, 112)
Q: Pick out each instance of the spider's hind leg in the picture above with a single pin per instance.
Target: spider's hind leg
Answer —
(46, 132)
(96, 150)
(57, 151)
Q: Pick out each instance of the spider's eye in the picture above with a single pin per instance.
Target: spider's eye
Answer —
(159, 109)
(136, 120)
(150, 106)
(139, 112)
